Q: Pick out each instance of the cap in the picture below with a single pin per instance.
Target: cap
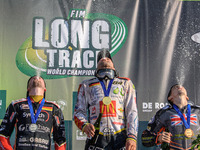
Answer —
(103, 53)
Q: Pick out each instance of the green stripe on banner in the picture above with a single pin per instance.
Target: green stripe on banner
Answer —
(68, 133)
(2, 103)
(75, 94)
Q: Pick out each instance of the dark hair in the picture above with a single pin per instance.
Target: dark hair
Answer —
(170, 91)
(27, 93)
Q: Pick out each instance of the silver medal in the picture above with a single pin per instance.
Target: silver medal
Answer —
(33, 127)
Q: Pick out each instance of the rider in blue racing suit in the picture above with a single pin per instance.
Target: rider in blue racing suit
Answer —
(179, 135)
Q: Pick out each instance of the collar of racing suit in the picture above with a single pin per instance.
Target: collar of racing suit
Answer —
(36, 98)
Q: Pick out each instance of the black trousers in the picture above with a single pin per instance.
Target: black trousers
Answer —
(108, 142)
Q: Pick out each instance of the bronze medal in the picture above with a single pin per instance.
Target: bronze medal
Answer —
(189, 133)
(106, 100)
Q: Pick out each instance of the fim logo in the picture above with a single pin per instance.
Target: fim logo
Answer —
(80, 135)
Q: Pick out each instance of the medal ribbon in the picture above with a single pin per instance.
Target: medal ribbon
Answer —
(35, 117)
(106, 92)
(187, 124)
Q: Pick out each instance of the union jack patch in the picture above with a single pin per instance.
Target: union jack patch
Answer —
(176, 120)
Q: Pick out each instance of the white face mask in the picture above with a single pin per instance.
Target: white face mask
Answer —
(103, 73)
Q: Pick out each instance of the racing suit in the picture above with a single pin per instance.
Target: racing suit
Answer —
(49, 120)
(119, 120)
(168, 118)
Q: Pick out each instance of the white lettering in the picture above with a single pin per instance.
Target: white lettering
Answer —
(86, 62)
(59, 33)
(51, 53)
(77, 13)
(81, 32)
(144, 105)
(100, 29)
(76, 60)
(157, 106)
(82, 13)
(64, 58)
(39, 34)
(160, 105)
(72, 13)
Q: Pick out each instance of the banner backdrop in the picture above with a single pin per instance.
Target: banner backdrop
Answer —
(153, 42)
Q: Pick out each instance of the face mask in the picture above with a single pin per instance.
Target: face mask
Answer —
(103, 73)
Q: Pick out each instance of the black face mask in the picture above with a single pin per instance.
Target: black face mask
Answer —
(103, 73)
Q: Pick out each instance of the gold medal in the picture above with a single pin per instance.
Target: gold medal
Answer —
(106, 100)
(189, 133)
